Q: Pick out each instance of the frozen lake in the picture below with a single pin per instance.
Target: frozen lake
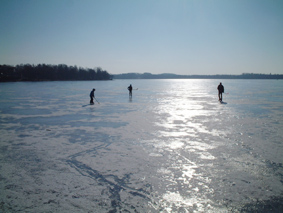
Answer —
(172, 147)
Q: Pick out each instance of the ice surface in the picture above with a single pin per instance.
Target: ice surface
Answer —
(172, 147)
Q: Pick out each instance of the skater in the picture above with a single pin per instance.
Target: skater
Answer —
(130, 88)
(220, 91)
(91, 96)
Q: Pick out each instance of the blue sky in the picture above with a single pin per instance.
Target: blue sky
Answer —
(157, 36)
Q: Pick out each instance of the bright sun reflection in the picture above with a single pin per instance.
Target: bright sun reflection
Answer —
(185, 117)
(179, 201)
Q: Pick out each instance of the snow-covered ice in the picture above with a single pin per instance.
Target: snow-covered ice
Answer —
(172, 147)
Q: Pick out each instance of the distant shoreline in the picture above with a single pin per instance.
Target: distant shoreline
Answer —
(48, 72)
(62, 72)
(175, 76)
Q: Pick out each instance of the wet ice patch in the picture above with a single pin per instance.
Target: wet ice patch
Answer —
(176, 202)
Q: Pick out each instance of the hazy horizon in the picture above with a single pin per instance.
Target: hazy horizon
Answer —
(180, 37)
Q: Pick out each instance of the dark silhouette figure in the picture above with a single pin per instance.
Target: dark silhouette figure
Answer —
(220, 91)
(130, 88)
(91, 96)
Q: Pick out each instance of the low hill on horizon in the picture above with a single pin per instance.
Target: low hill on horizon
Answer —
(176, 76)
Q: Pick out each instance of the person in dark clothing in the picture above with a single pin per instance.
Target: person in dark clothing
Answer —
(91, 96)
(220, 91)
(130, 88)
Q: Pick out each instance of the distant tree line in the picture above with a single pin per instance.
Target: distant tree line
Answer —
(174, 76)
(44, 72)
